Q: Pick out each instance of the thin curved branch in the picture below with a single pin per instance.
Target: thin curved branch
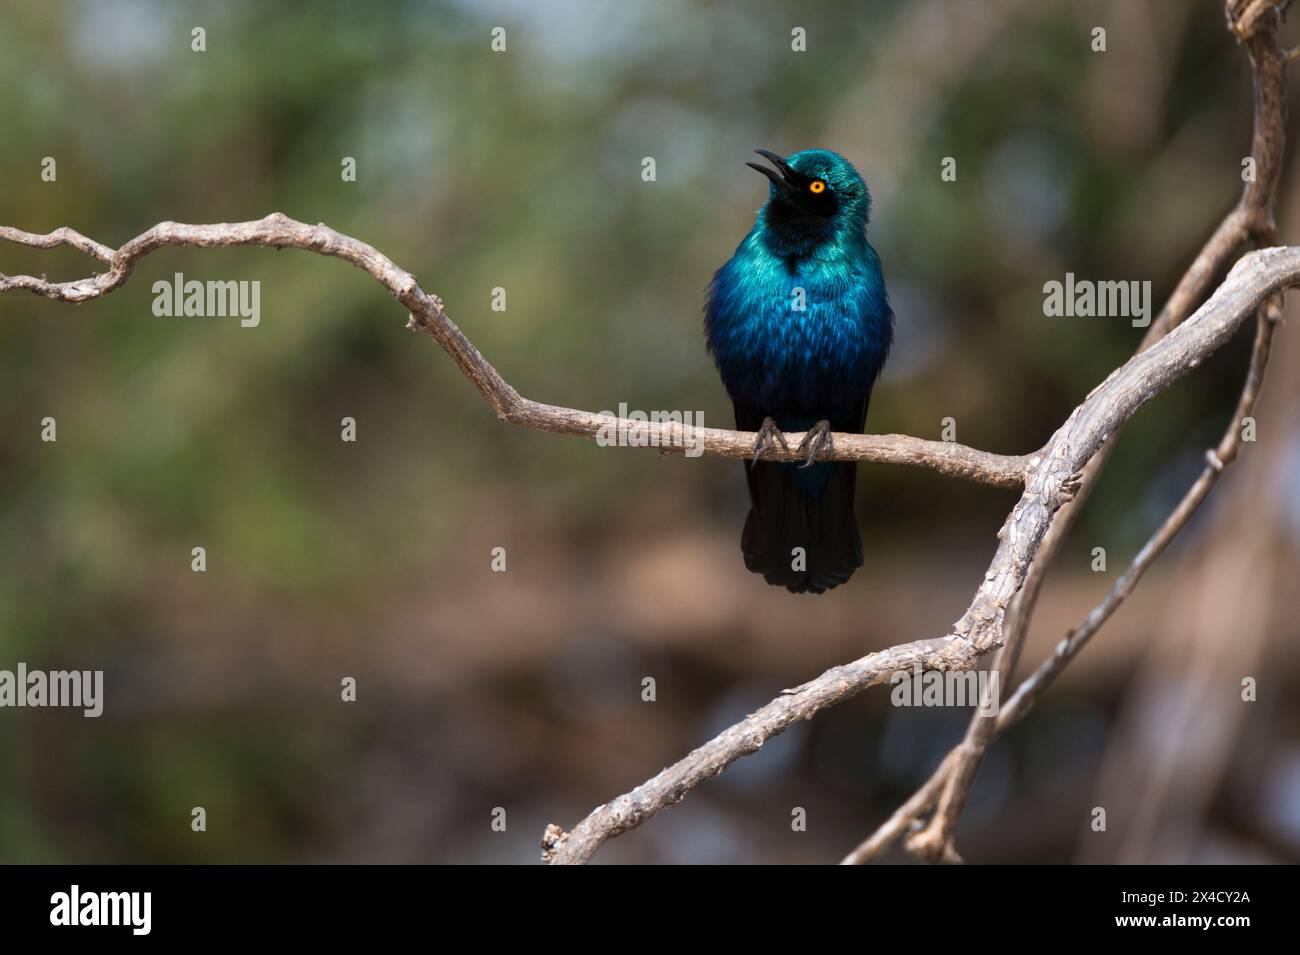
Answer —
(427, 315)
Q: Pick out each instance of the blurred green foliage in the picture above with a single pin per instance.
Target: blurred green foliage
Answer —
(519, 170)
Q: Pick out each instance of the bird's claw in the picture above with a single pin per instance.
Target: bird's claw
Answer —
(769, 436)
(817, 439)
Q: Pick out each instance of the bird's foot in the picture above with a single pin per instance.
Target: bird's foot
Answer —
(769, 436)
(817, 440)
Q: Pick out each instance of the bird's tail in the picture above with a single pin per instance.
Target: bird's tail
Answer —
(810, 509)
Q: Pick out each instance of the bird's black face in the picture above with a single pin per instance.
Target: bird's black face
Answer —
(796, 193)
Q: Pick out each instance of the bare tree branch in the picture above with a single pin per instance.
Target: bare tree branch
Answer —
(1027, 693)
(1255, 23)
(427, 315)
(1052, 474)
(1053, 477)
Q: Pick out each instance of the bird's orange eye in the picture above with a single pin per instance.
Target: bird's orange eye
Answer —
(817, 186)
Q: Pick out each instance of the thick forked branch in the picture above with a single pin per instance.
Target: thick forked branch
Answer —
(1053, 480)
(427, 315)
(1022, 700)
(1254, 22)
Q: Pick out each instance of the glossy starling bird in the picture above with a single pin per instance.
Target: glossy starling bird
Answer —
(799, 325)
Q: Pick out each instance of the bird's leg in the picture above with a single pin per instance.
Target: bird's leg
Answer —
(769, 436)
(817, 439)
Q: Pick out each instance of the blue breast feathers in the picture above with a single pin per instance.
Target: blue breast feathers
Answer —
(799, 339)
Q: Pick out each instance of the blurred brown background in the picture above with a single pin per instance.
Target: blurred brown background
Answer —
(522, 690)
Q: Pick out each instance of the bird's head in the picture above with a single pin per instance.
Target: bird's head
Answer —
(814, 194)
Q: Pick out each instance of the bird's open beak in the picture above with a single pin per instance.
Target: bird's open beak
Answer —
(788, 177)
